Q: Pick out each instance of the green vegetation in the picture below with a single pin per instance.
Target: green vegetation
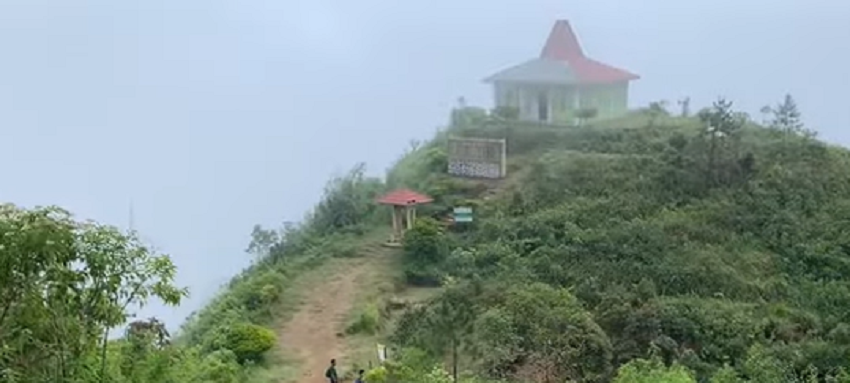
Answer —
(643, 371)
(64, 284)
(647, 248)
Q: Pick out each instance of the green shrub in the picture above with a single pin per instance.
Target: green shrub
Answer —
(376, 375)
(469, 116)
(348, 201)
(425, 249)
(644, 371)
(418, 168)
(261, 292)
(249, 342)
(220, 367)
(506, 112)
(726, 374)
(368, 320)
(339, 246)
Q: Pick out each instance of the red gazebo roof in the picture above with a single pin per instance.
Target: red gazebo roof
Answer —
(404, 197)
(562, 45)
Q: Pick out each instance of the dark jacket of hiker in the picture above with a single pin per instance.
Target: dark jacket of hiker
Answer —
(330, 373)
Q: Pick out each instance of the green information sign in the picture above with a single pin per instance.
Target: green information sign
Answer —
(463, 214)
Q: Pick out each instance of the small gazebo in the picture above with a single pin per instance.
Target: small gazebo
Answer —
(404, 203)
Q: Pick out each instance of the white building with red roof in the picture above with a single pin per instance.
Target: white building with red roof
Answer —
(554, 86)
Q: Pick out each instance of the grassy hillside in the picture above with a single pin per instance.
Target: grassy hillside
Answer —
(647, 248)
(642, 238)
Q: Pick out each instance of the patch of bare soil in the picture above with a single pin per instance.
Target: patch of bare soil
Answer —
(313, 332)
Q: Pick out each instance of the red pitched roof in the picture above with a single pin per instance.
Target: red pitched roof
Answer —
(404, 197)
(562, 45)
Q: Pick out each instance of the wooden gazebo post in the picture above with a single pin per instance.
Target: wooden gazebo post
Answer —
(404, 203)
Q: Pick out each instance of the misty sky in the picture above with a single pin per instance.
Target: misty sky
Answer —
(212, 116)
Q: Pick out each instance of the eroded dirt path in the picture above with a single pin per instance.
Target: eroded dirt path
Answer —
(311, 334)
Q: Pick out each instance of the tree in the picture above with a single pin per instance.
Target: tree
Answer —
(145, 351)
(453, 318)
(721, 120)
(249, 341)
(441, 329)
(786, 120)
(542, 334)
(347, 202)
(151, 331)
(262, 241)
(425, 248)
(656, 110)
(761, 366)
(766, 111)
(722, 127)
(685, 104)
(726, 374)
(63, 285)
(786, 117)
(652, 371)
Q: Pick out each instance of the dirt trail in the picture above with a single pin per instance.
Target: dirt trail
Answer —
(312, 333)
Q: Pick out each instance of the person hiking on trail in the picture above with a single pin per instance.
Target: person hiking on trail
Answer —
(330, 373)
(359, 377)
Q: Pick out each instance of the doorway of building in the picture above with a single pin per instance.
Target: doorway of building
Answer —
(542, 106)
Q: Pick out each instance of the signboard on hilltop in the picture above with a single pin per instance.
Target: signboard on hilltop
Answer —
(462, 214)
(382, 353)
(477, 157)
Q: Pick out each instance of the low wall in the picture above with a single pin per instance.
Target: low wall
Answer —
(477, 157)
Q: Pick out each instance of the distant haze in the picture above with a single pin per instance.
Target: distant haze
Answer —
(212, 116)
